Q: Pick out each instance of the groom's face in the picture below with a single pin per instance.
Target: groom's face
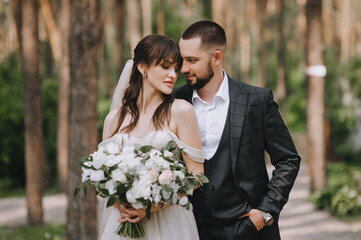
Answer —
(197, 65)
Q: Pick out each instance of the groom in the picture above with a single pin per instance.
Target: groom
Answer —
(238, 122)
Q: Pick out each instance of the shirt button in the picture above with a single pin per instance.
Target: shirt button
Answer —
(212, 188)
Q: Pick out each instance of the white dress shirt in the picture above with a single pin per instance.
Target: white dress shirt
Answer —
(212, 117)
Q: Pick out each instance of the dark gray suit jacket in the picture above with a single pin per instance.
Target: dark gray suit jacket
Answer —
(257, 126)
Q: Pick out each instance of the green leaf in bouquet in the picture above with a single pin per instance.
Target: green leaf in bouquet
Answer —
(137, 147)
(76, 190)
(202, 178)
(85, 187)
(146, 148)
(167, 147)
(85, 166)
(86, 159)
(147, 209)
(112, 199)
(104, 192)
(121, 189)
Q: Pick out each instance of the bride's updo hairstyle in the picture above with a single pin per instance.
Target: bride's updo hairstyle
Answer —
(151, 51)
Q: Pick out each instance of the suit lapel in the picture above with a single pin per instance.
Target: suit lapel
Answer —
(238, 98)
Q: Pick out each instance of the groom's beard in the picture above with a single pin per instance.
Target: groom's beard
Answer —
(202, 81)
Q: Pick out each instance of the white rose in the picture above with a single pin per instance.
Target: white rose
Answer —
(111, 186)
(130, 196)
(97, 175)
(128, 150)
(168, 154)
(158, 161)
(132, 164)
(183, 201)
(99, 160)
(152, 176)
(112, 148)
(154, 152)
(118, 176)
(112, 161)
(123, 166)
(165, 177)
(86, 174)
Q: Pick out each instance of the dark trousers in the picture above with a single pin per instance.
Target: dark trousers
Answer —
(242, 229)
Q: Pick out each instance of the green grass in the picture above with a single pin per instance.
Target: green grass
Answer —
(51, 232)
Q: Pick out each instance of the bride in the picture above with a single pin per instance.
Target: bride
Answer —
(144, 111)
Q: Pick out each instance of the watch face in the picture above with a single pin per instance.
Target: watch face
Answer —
(269, 222)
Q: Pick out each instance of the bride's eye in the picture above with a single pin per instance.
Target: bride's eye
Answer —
(165, 66)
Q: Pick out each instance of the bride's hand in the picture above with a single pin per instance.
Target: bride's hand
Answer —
(135, 215)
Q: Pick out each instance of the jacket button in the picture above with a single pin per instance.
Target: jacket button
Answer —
(212, 188)
(214, 166)
(213, 210)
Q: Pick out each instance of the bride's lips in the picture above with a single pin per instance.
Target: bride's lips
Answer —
(169, 82)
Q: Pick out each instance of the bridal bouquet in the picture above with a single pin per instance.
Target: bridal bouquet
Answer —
(140, 176)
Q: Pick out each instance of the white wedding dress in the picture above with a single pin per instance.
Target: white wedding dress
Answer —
(172, 222)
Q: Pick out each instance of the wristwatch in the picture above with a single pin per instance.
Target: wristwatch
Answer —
(268, 219)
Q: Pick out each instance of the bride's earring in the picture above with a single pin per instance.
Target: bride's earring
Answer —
(144, 74)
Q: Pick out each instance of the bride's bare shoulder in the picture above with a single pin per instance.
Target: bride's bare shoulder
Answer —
(182, 107)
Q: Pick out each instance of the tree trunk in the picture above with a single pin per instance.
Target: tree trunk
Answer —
(52, 29)
(281, 68)
(345, 30)
(245, 43)
(34, 145)
(160, 18)
(219, 12)
(262, 51)
(133, 23)
(63, 99)
(84, 42)
(147, 17)
(16, 13)
(118, 18)
(315, 101)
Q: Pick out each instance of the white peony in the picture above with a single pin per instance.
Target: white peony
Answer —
(111, 186)
(112, 161)
(118, 176)
(86, 174)
(112, 148)
(165, 177)
(97, 175)
(183, 201)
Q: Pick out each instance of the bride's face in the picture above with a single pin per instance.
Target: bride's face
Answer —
(163, 76)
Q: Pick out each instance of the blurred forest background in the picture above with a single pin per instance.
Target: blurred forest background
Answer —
(60, 61)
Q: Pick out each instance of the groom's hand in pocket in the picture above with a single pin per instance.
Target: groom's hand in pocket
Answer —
(256, 217)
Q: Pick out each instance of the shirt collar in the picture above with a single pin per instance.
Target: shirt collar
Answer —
(222, 92)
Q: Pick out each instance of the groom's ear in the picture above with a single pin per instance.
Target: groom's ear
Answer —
(218, 56)
(141, 68)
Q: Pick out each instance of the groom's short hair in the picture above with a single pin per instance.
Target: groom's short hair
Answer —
(212, 35)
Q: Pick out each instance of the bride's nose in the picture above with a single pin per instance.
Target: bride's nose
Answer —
(172, 73)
